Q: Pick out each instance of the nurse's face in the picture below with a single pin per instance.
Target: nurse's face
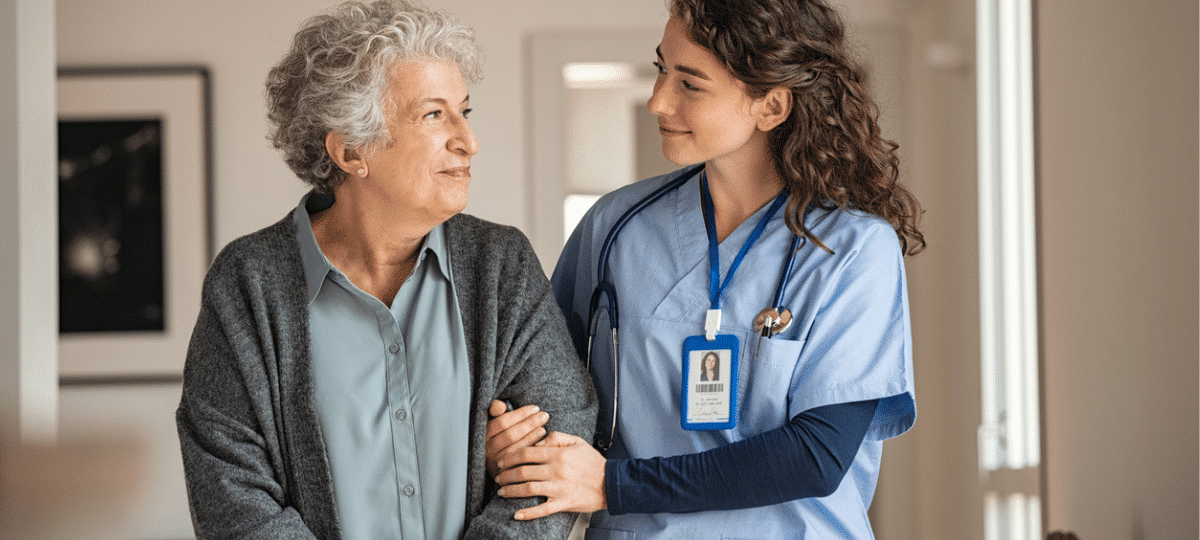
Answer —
(703, 111)
(710, 362)
(426, 166)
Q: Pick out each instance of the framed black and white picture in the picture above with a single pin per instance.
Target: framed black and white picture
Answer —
(135, 224)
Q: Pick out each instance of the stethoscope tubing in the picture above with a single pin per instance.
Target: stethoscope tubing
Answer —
(787, 271)
(602, 263)
(606, 289)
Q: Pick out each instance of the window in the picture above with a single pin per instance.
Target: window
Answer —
(612, 139)
(575, 205)
(1009, 443)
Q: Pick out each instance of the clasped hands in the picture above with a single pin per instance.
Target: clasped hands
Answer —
(526, 462)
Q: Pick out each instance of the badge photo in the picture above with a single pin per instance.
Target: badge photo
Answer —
(709, 396)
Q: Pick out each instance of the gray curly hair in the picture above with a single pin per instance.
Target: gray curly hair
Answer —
(335, 76)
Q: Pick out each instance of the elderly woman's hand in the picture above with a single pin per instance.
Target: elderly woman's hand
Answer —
(508, 431)
(563, 468)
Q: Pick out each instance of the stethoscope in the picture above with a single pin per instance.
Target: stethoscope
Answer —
(769, 322)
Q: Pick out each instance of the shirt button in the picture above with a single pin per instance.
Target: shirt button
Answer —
(400, 414)
(395, 348)
(409, 490)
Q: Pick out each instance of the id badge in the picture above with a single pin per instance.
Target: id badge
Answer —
(709, 397)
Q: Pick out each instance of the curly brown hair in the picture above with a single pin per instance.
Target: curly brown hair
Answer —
(829, 152)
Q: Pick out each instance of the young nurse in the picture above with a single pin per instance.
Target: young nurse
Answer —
(781, 249)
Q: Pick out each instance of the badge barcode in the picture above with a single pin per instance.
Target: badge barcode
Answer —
(712, 387)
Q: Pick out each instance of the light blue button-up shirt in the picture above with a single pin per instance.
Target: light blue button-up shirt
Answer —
(392, 389)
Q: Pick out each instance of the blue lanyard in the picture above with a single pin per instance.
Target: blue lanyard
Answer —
(715, 287)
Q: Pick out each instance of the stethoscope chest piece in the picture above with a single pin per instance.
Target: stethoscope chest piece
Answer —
(771, 321)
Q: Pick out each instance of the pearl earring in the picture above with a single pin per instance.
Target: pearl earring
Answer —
(362, 172)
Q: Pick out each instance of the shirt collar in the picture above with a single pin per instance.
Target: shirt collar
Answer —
(435, 243)
(317, 266)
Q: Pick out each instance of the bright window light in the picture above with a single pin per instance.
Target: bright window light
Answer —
(1013, 517)
(574, 207)
(597, 75)
(1008, 434)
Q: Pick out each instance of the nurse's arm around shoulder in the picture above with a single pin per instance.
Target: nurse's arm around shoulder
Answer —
(564, 468)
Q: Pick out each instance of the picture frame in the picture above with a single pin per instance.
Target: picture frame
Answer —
(174, 104)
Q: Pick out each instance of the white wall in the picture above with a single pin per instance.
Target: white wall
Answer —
(28, 270)
(1117, 83)
(241, 40)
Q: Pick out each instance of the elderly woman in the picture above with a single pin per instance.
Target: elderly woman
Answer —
(338, 377)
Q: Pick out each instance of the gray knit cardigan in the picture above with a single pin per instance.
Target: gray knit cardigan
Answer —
(253, 454)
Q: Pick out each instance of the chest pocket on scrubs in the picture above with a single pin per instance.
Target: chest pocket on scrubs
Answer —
(766, 383)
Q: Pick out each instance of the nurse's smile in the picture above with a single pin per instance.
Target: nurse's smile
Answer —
(667, 132)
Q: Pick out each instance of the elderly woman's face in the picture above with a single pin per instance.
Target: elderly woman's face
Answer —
(426, 167)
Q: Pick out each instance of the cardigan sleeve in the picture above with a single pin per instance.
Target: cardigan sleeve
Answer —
(534, 363)
(254, 464)
(232, 487)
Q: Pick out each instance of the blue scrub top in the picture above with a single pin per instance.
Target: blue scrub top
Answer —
(849, 341)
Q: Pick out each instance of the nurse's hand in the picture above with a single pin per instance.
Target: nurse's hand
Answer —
(563, 468)
(508, 431)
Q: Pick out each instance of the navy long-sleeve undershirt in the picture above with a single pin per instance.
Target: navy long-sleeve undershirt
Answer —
(807, 457)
